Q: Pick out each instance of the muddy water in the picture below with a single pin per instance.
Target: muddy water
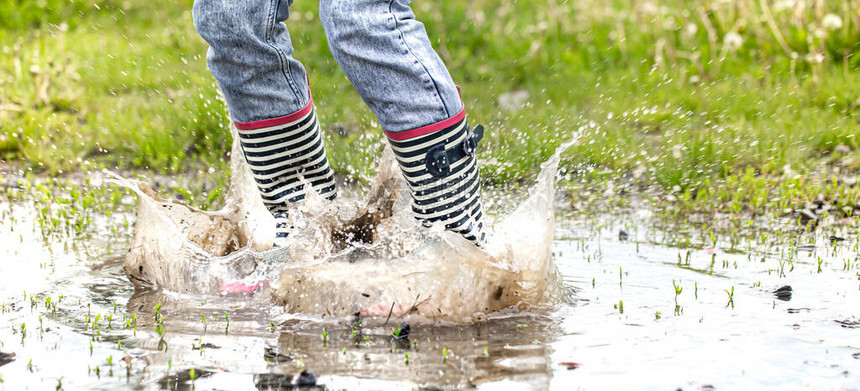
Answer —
(364, 255)
(626, 329)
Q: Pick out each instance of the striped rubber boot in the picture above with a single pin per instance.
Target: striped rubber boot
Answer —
(439, 164)
(279, 152)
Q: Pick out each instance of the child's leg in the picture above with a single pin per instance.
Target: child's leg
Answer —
(387, 56)
(266, 89)
(250, 55)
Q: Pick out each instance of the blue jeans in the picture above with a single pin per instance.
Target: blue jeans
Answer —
(380, 46)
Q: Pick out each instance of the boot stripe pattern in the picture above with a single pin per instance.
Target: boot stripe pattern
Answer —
(453, 199)
(280, 155)
(282, 229)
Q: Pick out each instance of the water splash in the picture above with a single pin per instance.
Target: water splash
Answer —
(349, 257)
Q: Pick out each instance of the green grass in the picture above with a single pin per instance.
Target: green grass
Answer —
(685, 95)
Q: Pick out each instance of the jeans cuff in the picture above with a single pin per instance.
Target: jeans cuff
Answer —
(424, 130)
(272, 122)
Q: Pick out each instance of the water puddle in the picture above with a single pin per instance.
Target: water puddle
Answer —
(659, 306)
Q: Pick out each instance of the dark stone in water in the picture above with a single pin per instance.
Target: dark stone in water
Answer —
(622, 235)
(306, 379)
(783, 293)
(402, 332)
(6, 358)
(807, 218)
(280, 381)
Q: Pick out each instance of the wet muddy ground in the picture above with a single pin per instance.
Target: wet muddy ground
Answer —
(657, 305)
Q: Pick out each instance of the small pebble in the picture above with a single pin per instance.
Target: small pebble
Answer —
(783, 293)
(403, 333)
(306, 379)
(6, 358)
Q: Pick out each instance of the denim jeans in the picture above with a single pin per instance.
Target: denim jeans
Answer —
(380, 46)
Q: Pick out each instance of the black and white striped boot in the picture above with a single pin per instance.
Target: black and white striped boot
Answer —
(440, 167)
(279, 152)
